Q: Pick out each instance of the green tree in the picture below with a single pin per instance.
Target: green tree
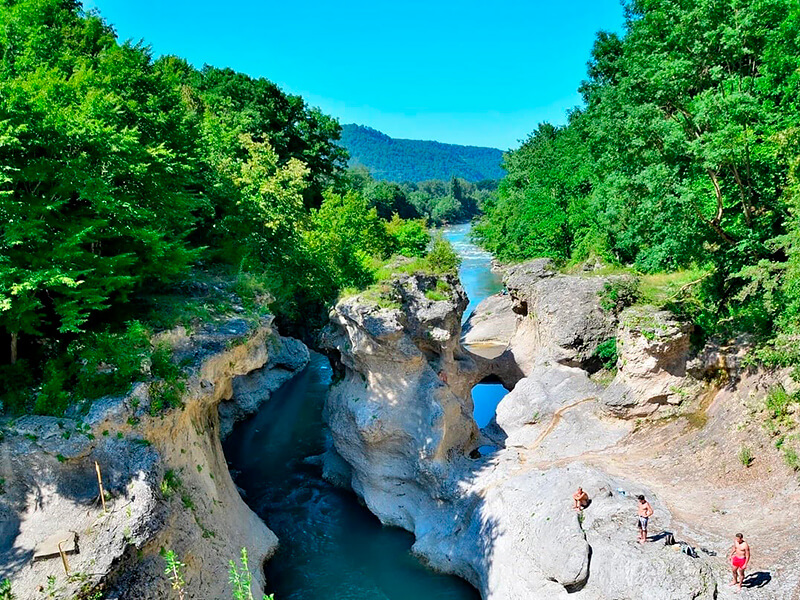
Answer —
(681, 157)
(94, 196)
(408, 237)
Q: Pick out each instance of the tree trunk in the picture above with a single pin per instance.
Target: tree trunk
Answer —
(14, 347)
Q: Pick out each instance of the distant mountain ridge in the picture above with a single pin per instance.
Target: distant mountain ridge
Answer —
(392, 159)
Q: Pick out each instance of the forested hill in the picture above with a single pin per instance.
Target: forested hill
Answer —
(393, 159)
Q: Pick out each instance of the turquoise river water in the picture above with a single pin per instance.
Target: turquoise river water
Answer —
(331, 547)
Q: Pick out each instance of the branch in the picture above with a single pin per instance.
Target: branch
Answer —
(718, 194)
(715, 222)
(745, 204)
(685, 287)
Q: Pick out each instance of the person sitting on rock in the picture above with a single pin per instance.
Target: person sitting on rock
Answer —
(581, 499)
(645, 511)
(740, 558)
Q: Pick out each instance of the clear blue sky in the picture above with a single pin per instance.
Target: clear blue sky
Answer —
(479, 73)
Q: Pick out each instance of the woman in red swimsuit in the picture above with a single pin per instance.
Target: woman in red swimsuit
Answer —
(740, 558)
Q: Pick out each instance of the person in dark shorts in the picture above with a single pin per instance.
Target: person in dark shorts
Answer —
(645, 511)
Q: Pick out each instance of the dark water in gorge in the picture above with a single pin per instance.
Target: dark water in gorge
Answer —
(331, 547)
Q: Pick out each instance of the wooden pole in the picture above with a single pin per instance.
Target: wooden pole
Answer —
(100, 485)
(63, 557)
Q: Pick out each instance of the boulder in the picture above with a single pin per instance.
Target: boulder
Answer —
(653, 347)
(491, 325)
(529, 408)
(721, 358)
(562, 319)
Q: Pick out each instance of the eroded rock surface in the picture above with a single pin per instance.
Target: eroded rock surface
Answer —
(287, 356)
(562, 317)
(653, 347)
(491, 325)
(166, 477)
(401, 419)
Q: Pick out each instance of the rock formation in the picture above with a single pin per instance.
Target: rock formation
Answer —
(166, 478)
(653, 349)
(400, 419)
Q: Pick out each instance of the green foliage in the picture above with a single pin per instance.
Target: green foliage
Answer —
(5, 590)
(607, 352)
(442, 258)
(539, 210)
(619, 293)
(240, 578)
(417, 160)
(435, 295)
(745, 456)
(685, 156)
(186, 500)
(95, 192)
(439, 202)
(407, 237)
(791, 457)
(96, 364)
(455, 201)
(174, 572)
(344, 237)
(442, 291)
(170, 484)
(777, 403)
(129, 183)
(169, 385)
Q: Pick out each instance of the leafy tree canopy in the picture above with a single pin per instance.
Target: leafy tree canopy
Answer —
(683, 155)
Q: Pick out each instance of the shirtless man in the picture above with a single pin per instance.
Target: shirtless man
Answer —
(581, 499)
(645, 511)
(740, 558)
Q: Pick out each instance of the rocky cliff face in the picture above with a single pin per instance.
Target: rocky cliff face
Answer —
(401, 420)
(653, 350)
(166, 478)
(393, 417)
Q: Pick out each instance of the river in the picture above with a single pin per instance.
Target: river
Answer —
(331, 547)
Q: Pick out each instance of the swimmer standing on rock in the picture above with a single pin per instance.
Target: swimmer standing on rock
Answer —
(645, 511)
(740, 558)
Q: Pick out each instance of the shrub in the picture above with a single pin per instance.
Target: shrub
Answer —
(435, 295)
(778, 401)
(745, 456)
(607, 352)
(240, 578)
(408, 237)
(442, 258)
(174, 572)
(170, 484)
(94, 365)
(619, 293)
(168, 389)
